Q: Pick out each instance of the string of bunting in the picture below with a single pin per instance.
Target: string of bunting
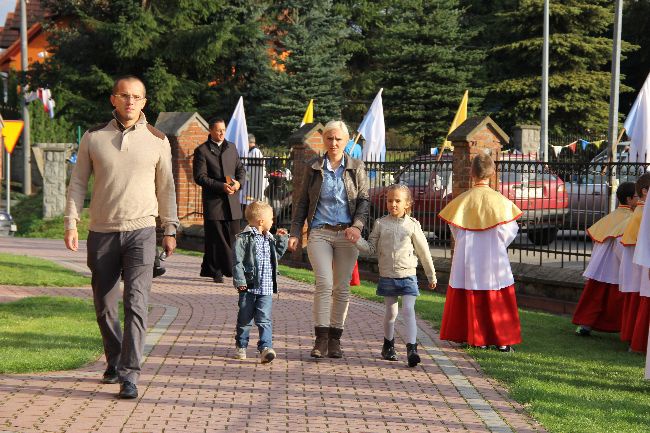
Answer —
(573, 146)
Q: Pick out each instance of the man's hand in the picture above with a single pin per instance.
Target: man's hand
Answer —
(71, 239)
(353, 234)
(242, 288)
(236, 185)
(293, 243)
(169, 244)
(229, 189)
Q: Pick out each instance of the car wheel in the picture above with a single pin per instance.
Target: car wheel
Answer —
(542, 236)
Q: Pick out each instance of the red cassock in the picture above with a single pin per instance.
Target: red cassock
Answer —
(481, 306)
(600, 307)
(639, 339)
(630, 309)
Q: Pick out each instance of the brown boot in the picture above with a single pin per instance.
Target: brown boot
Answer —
(334, 343)
(320, 346)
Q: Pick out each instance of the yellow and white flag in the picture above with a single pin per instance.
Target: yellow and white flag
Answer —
(460, 117)
(309, 114)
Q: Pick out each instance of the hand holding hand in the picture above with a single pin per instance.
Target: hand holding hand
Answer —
(281, 232)
(432, 285)
(236, 185)
(293, 243)
(353, 234)
(242, 288)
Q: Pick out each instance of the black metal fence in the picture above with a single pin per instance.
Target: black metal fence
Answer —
(559, 201)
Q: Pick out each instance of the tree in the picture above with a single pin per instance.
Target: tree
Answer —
(417, 51)
(579, 72)
(192, 55)
(308, 64)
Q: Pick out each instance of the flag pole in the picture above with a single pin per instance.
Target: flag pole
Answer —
(613, 99)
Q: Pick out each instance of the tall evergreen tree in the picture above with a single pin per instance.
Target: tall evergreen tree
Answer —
(421, 58)
(308, 64)
(192, 54)
(579, 56)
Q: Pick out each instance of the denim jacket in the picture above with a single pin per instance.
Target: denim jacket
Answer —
(244, 267)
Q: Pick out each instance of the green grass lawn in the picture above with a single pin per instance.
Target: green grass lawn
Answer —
(47, 334)
(28, 271)
(570, 384)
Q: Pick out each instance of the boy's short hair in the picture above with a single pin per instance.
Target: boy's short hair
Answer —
(255, 210)
(482, 166)
(642, 182)
(625, 190)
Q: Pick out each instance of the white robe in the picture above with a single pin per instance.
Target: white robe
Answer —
(629, 277)
(480, 260)
(605, 264)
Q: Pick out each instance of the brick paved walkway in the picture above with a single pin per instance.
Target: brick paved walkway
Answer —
(190, 382)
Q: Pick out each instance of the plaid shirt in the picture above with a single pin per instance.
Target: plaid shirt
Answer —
(264, 267)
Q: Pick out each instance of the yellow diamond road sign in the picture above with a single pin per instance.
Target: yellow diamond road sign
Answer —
(11, 133)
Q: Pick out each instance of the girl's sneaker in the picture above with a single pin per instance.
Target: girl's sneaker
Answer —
(241, 353)
(267, 355)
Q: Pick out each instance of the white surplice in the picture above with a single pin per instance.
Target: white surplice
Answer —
(629, 276)
(480, 260)
(605, 264)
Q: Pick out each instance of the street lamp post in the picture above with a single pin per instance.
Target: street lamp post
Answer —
(612, 128)
(543, 143)
(27, 145)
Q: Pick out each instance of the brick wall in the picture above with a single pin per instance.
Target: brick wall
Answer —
(188, 193)
(465, 151)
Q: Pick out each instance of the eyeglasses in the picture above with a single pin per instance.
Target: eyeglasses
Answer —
(126, 97)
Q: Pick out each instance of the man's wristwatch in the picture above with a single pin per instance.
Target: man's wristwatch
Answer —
(173, 235)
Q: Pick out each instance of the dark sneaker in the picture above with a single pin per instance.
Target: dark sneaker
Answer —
(110, 375)
(505, 349)
(128, 390)
(218, 279)
(583, 331)
(158, 271)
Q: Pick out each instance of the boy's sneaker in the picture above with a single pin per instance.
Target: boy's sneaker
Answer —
(505, 349)
(241, 353)
(267, 355)
(583, 331)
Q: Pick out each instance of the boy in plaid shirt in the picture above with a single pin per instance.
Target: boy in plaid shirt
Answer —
(255, 266)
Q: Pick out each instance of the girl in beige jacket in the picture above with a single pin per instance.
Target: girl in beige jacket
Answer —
(398, 241)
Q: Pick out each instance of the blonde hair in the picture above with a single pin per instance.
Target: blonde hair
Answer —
(482, 166)
(338, 125)
(255, 210)
(404, 189)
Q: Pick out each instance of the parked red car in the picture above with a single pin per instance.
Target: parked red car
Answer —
(529, 184)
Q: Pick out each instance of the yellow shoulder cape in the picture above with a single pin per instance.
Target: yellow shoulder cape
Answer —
(480, 208)
(610, 226)
(632, 230)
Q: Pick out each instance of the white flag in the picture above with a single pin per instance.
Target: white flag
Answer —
(237, 132)
(373, 130)
(637, 125)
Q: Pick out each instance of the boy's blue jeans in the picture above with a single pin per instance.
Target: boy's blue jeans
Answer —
(258, 308)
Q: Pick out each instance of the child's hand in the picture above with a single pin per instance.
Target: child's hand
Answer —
(432, 285)
(242, 288)
(281, 232)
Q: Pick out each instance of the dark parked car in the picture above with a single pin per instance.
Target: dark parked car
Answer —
(529, 184)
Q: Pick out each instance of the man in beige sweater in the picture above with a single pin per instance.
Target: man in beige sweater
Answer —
(133, 183)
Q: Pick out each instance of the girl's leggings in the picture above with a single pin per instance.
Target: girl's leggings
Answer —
(408, 313)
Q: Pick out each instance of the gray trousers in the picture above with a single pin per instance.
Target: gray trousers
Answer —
(110, 256)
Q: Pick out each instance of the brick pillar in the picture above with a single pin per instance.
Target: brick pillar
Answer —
(54, 178)
(188, 193)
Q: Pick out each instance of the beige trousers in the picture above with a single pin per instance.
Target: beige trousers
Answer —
(332, 258)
